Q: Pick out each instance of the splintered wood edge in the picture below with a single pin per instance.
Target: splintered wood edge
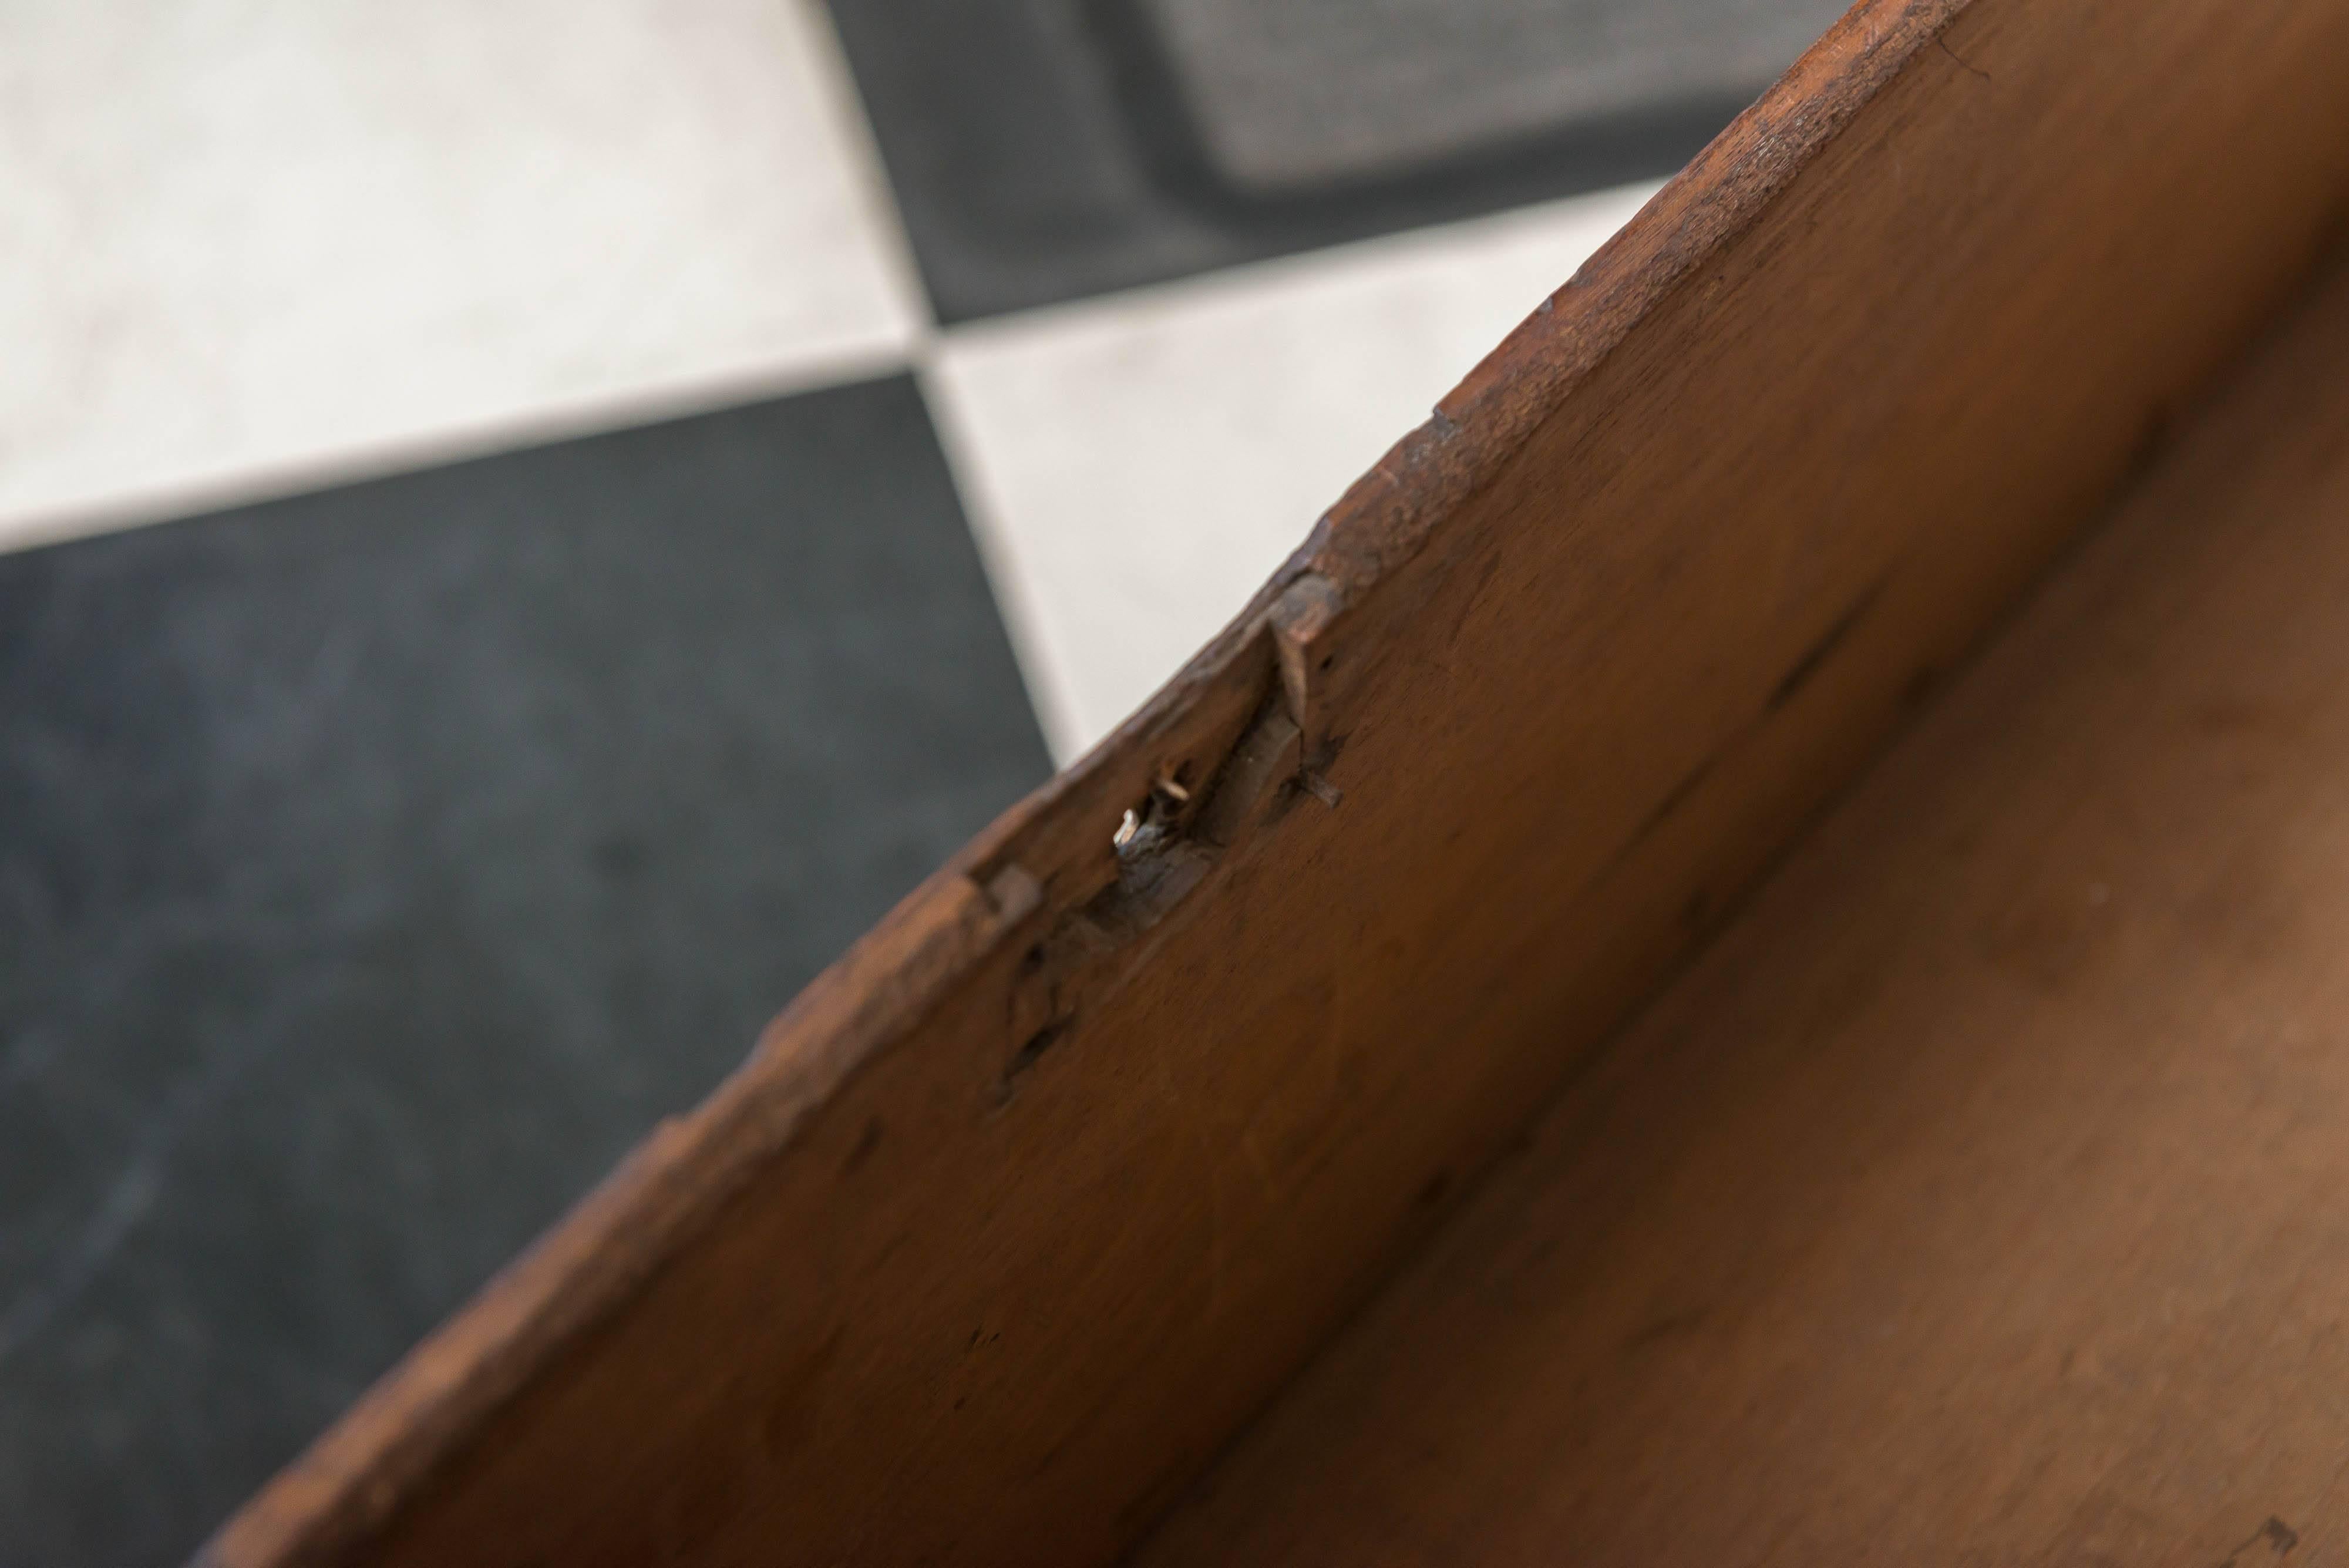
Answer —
(586, 1270)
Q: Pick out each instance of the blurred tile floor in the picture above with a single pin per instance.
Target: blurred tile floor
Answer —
(523, 529)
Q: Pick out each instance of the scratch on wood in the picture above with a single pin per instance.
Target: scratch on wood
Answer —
(1964, 63)
(1818, 653)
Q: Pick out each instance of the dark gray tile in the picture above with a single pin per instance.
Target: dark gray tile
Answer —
(1289, 95)
(1043, 149)
(377, 866)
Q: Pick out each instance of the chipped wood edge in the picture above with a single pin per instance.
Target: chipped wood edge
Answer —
(1250, 696)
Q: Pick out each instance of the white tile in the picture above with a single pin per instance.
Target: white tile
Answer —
(248, 244)
(1139, 464)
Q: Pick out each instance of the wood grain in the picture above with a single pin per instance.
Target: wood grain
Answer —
(1018, 1214)
(1982, 1194)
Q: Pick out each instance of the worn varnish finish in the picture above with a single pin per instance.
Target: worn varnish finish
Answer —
(1022, 1210)
(1983, 1194)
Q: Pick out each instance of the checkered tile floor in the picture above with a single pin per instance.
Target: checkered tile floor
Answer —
(524, 528)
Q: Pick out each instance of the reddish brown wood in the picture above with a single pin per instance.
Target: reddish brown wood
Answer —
(1983, 1194)
(1020, 1212)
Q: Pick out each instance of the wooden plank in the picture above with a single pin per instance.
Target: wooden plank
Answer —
(1014, 1217)
(1978, 1195)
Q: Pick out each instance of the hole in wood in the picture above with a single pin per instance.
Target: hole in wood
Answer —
(1151, 824)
